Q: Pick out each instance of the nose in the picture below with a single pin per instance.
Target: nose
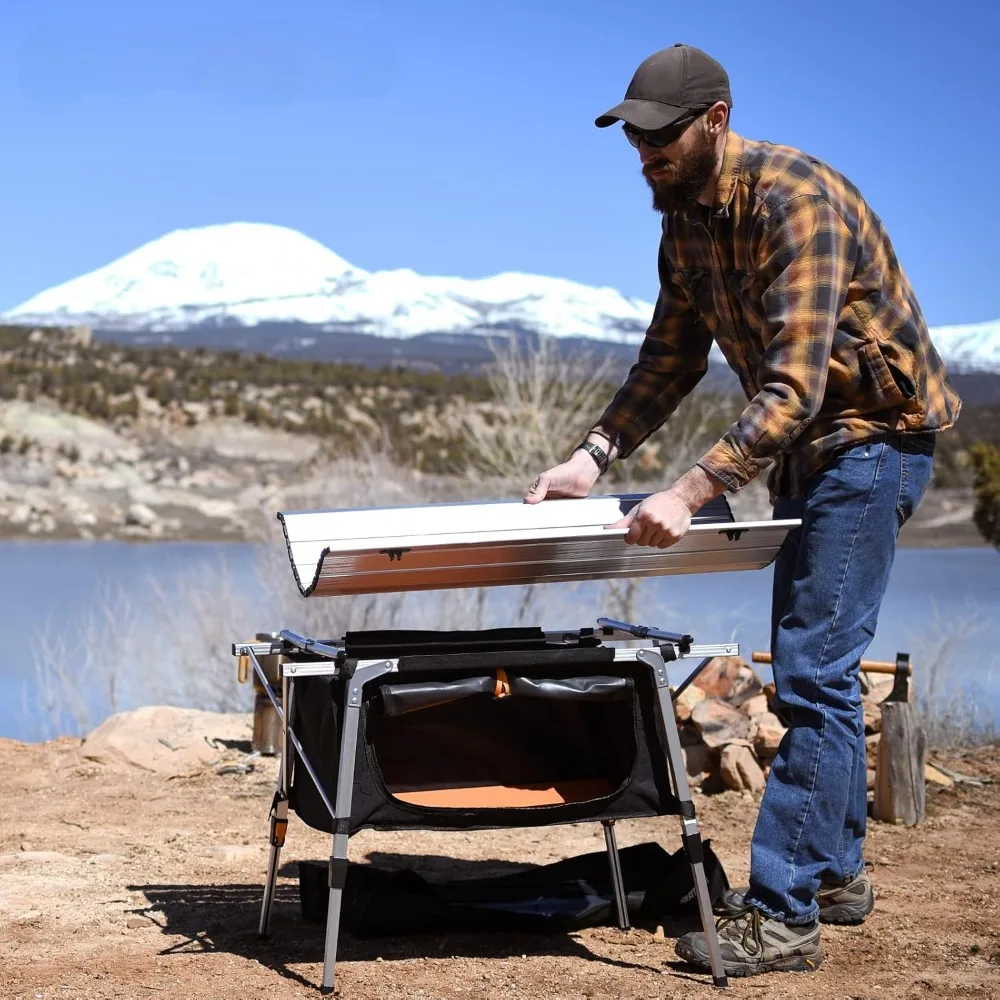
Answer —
(647, 152)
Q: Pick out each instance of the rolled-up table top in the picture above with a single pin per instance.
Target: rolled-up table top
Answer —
(507, 542)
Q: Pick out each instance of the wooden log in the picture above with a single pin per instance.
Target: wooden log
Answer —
(899, 769)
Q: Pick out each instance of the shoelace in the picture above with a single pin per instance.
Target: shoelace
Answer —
(751, 932)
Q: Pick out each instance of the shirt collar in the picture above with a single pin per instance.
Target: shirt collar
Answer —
(732, 163)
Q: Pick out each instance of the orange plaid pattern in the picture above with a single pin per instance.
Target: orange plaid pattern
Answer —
(795, 278)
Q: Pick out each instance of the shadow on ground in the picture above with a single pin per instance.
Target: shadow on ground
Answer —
(224, 918)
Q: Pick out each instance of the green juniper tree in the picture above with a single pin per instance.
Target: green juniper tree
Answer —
(986, 464)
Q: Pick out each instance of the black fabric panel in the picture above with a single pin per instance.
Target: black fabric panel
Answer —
(511, 741)
(595, 688)
(565, 896)
(509, 659)
(717, 509)
(398, 699)
(391, 643)
(646, 791)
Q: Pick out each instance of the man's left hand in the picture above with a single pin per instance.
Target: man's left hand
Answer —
(660, 520)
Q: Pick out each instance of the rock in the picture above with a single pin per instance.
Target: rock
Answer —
(756, 705)
(729, 678)
(873, 717)
(21, 514)
(871, 747)
(699, 761)
(165, 740)
(871, 779)
(43, 856)
(769, 733)
(719, 723)
(686, 702)
(740, 771)
(140, 515)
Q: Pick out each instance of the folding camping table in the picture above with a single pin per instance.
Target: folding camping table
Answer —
(487, 728)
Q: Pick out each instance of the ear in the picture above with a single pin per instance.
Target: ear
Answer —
(716, 118)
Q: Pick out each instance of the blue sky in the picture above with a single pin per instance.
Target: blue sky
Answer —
(458, 137)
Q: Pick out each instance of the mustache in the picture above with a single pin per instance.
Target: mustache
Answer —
(653, 165)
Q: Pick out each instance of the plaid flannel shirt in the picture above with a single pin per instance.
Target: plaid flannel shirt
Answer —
(794, 277)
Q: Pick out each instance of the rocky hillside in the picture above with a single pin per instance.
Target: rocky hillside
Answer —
(102, 440)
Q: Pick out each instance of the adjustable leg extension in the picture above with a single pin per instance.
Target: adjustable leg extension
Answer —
(617, 882)
(279, 825)
(689, 826)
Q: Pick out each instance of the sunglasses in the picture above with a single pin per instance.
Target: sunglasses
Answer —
(661, 136)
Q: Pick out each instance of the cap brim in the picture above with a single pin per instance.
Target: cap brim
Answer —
(642, 114)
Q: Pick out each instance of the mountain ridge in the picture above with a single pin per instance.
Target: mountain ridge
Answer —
(244, 275)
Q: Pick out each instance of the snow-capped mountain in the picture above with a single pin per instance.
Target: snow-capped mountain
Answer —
(969, 347)
(249, 273)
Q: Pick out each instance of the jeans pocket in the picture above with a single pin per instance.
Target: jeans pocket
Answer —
(916, 467)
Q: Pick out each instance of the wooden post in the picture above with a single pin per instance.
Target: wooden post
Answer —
(899, 769)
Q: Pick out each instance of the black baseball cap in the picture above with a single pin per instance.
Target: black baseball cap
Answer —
(667, 85)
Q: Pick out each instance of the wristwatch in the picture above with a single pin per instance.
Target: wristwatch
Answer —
(596, 452)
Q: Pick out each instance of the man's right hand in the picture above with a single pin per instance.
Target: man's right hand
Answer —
(573, 478)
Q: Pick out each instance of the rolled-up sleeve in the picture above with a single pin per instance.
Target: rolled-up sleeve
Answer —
(672, 360)
(804, 263)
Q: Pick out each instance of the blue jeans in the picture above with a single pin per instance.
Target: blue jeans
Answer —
(829, 580)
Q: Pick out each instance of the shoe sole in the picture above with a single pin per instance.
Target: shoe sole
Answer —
(846, 914)
(796, 963)
(841, 914)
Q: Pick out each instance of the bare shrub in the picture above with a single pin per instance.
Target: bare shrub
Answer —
(544, 399)
(955, 708)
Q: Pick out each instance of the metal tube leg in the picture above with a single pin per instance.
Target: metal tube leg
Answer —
(689, 827)
(279, 824)
(617, 882)
(342, 815)
(279, 812)
(338, 876)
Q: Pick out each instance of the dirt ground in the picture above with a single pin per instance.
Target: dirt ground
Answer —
(120, 881)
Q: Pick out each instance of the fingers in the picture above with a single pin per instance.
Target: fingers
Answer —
(645, 529)
(538, 489)
(624, 522)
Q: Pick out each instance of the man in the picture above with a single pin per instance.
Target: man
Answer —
(778, 258)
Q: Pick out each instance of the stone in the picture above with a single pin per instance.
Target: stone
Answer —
(165, 740)
(719, 723)
(729, 678)
(686, 702)
(740, 770)
(768, 735)
(140, 515)
(871, 748)
(756, 705)
(699, 761)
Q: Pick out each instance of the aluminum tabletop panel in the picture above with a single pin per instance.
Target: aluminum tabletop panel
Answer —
(441, 546)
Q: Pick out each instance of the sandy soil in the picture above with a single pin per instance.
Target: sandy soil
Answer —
(119, 881)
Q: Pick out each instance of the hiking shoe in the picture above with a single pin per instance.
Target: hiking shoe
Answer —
(839, 902)
(752, 943)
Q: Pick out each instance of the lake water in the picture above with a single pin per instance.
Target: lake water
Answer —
(941, 607)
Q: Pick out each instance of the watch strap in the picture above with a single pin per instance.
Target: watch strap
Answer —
(597, 453)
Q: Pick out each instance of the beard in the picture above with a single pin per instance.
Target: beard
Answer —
(690, 175)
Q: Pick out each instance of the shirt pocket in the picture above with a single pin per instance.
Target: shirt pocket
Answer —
(696, 284)
(891, 387)
(745, 294)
